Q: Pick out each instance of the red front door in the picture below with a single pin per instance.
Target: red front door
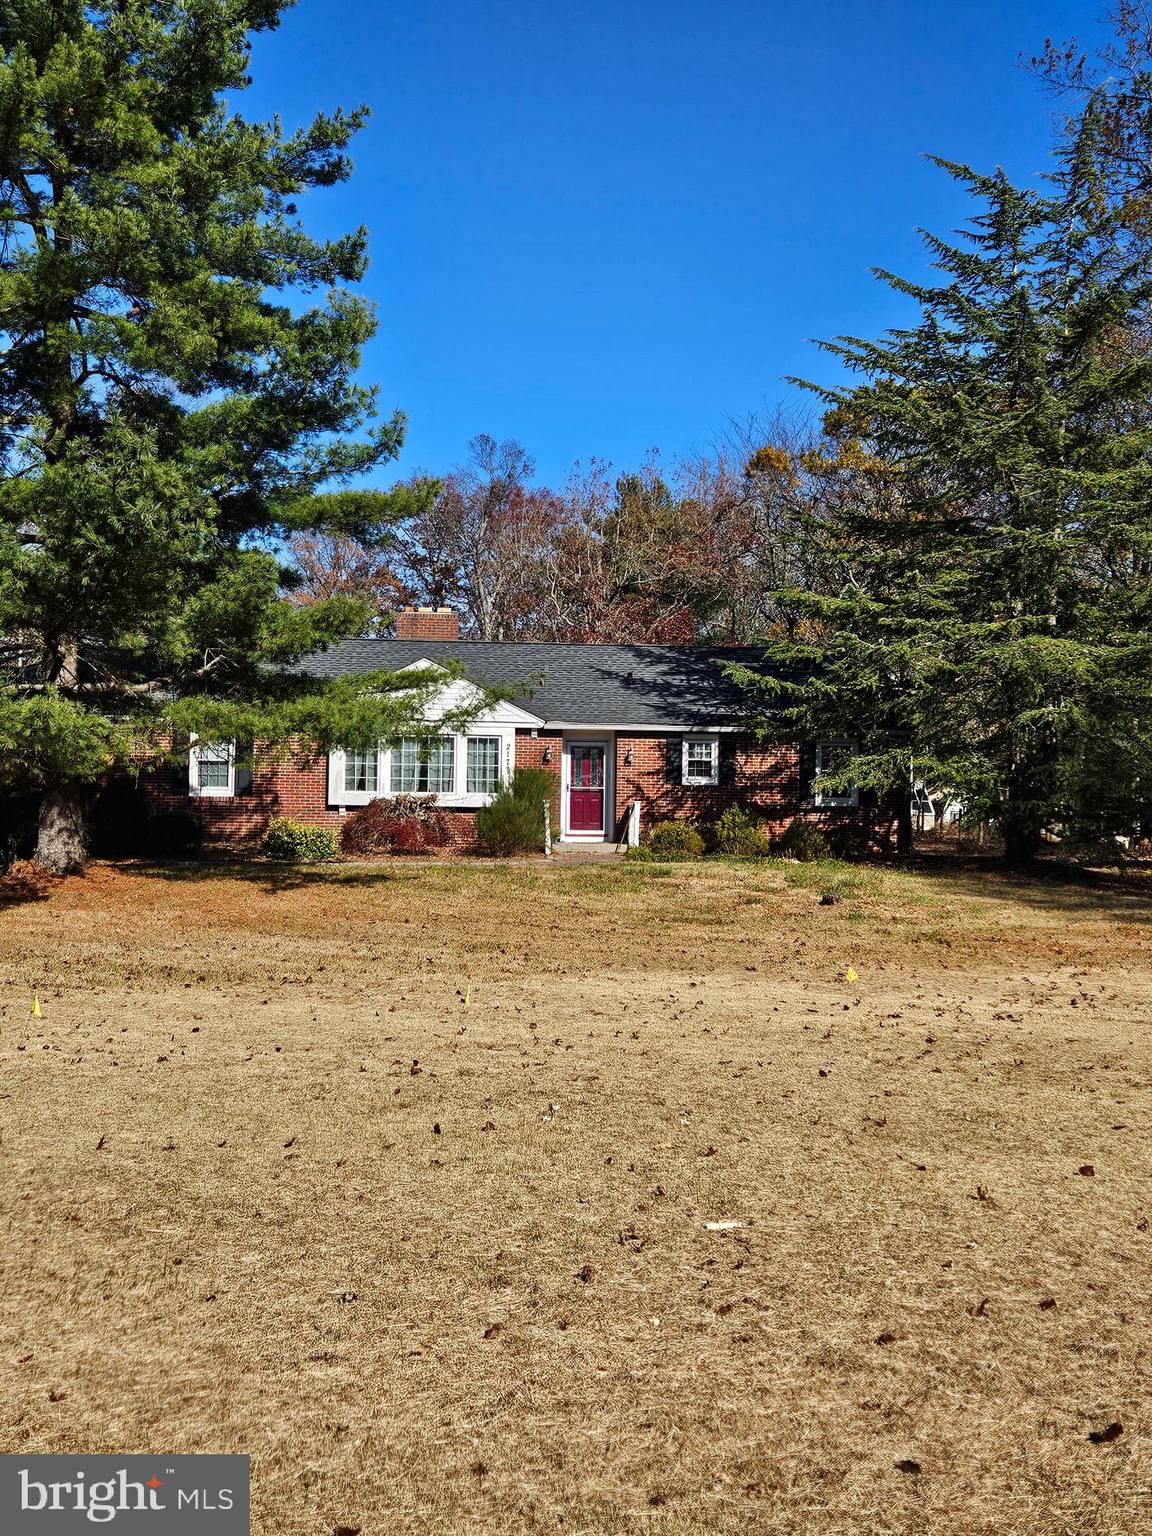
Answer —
(586, 787)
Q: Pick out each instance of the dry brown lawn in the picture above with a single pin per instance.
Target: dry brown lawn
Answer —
(400, 1179)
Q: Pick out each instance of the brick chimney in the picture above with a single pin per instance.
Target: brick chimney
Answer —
(427, 624)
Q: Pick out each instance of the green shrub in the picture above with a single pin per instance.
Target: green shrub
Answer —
(514, 822)
(287, 839)
(740, 833)
(804, 842)
(675, 839)
(173, 835)
(639, 855)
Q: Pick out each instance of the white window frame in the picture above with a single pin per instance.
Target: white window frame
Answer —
(196, 751)
(344, 775)
(700, 780)
(439, 741)
(456, 798)
(825, 798)
(484, 736)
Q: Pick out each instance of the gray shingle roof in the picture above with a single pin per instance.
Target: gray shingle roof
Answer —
(649, 685)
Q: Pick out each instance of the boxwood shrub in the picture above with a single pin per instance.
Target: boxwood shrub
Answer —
(294, 840)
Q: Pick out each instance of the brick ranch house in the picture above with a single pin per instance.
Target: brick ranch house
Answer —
(635, 733)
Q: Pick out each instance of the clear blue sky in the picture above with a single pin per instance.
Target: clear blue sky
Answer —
(610, 225)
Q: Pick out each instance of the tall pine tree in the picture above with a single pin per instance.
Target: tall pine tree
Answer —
(986, 491)
(177, 389)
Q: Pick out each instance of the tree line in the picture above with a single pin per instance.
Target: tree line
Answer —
(696, 552)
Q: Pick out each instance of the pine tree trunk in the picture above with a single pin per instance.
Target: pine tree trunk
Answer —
(1021, 842)
(60, 844)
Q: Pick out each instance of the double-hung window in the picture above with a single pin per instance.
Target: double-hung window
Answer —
(362, 772)
(420, 768)
(830, 758)
(212, 768)
(483, 765)
(700, 760)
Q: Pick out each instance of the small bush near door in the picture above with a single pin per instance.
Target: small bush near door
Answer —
(287, 839)
(514, 822)
(675, 840)
(740, 834)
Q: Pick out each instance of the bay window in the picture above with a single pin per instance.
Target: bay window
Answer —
(464, 770)
(424, 769)
(361, 772)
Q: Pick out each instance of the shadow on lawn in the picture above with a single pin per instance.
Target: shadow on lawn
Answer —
(1050, 884)
(274, 877)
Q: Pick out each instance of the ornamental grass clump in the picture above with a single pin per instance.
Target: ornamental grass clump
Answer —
(740, 834)
(514, 821)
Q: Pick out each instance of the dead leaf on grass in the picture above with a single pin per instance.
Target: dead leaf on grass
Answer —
(1107, 1435)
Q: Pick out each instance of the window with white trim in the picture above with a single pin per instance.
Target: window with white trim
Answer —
(482, 775)
(464, 770)
(420, 768)
(362, 772)
(701, 760)
(830, 758)
(212, 768)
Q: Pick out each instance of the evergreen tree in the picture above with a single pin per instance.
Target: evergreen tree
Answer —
(986, 491)
(177, 388)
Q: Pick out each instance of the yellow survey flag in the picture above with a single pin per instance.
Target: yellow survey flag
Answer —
(36, 1014)
(850, 975)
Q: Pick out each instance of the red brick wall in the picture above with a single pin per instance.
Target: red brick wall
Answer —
(298, 789)
(767, 779)
(530, 750)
